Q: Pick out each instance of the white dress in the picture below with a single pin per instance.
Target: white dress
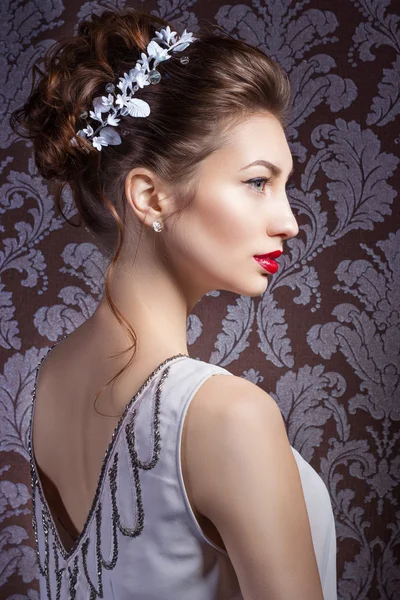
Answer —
(141, 539)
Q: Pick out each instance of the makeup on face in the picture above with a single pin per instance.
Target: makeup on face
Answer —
(267, 261)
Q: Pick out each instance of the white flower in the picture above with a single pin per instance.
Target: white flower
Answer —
(122, 85)
(95, 115)
(112, 120)
(107, 101)
(155, 51)
(142, 79)
(166, 35)
(89, 131)
(183, 42)
(144, 62)
(122, 100)
(98, 142)
(129, 78)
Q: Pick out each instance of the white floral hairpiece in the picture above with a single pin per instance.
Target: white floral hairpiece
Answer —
(124, 104)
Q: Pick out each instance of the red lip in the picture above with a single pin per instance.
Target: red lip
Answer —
(267, 262)
(274, 254)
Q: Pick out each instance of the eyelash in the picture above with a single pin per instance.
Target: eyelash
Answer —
(289, 184)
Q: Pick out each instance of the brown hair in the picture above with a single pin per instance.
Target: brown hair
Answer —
(192, 110)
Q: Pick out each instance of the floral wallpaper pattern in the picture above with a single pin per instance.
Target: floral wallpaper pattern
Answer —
(324, 339)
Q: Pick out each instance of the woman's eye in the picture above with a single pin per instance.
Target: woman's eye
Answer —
(258, 180)
(264, 180)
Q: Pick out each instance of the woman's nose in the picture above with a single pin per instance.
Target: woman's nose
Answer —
(292, 227)
(282, 221)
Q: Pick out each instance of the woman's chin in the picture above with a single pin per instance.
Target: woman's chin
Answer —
(254, 289)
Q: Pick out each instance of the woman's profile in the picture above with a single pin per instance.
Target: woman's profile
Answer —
(164, 476)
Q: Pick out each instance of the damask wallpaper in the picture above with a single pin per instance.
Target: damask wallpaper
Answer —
(324, 339)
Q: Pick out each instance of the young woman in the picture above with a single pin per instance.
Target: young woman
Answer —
(167, 477)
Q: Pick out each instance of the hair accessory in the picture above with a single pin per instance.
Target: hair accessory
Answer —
(123, 103)
(157, 226)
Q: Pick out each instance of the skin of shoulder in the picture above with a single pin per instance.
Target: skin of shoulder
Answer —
(244, 478)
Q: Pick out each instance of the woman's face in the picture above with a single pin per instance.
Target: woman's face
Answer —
(232, 218)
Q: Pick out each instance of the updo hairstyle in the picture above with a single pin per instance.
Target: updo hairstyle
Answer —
(193, 108)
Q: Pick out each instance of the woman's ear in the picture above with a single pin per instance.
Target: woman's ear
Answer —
(143, 190)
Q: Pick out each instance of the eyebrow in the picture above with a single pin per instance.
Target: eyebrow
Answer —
(265, 163)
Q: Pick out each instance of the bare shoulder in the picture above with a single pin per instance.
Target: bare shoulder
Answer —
(230, 394)
(222, 401)
(245, 480)
(225, 409)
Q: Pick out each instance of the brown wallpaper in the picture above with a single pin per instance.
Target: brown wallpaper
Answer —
(324, 340)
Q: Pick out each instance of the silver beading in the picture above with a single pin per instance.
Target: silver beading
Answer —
(124, 103)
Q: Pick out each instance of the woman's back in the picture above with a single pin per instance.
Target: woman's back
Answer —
(139, 538)
(140, 534)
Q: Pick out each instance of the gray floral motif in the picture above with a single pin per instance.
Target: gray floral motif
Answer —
(272, 328)
(19, 253)
(18, 557)
(21, 25)
(177, 12)
(237, 327)
(358, 171)
(85, 262)
(253, 376)
(282, 28)
(307, 399)
(16, 384)
(13, 495)
(368, 338)
(386, 106)
(194, 329)
(351, 522)
(383, 483)
(380, 30)
(387, 568)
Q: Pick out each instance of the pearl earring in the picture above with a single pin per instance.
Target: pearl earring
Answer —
(157, 226)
